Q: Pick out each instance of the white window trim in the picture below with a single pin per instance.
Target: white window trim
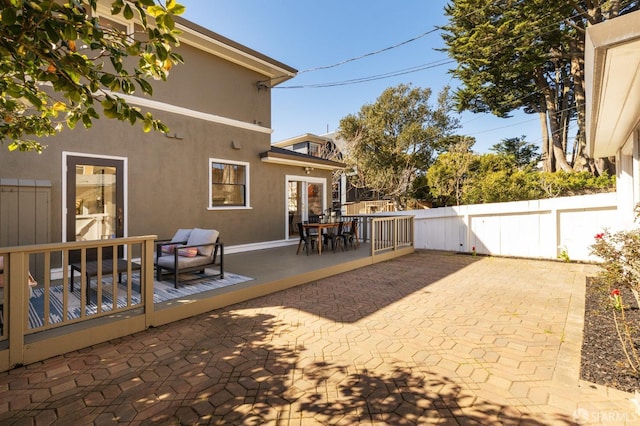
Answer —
(247, 200)
(125, 183)
(104, 12)
(306, 180)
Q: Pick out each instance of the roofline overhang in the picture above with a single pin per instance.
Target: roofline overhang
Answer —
(213, 43)
(307, 137)
(206, 40)
(612, 79)
(300, 160)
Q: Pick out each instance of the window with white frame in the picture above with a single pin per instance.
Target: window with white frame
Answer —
(116, 29)
(228, 183)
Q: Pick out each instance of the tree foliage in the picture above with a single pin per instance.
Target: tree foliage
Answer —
(390, 142)
(461, 177)
(528, 55)
(524, 153)
(448, 176)
(59, 60)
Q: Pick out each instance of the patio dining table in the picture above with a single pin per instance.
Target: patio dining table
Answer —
(319, 226)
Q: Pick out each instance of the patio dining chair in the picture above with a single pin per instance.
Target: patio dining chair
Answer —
(350, 236)
(304, 239)
(334, 237)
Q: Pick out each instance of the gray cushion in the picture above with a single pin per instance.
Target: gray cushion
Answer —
(203, 236)
(181, 235)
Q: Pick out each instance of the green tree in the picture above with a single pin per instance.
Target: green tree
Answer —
(523, 152)
(490, 181)
(528, 55)
(58, 60)
(448, 175)
(494, 178)
(389, 142)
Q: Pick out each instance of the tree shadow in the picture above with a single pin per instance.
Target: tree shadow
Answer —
(237, 376)
(244, 365)
(382, 284)
(402, 397)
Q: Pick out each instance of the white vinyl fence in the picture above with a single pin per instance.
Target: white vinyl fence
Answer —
(533, 229)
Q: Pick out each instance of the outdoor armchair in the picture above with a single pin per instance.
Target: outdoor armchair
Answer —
(190, 250)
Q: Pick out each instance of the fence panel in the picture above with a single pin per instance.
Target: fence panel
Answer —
(535, 229)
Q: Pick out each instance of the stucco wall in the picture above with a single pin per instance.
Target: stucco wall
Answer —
(167, 178)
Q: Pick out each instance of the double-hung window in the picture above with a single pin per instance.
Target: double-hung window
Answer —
(229, 184)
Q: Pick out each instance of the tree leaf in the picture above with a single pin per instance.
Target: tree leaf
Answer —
(128, 12)
(8, 16)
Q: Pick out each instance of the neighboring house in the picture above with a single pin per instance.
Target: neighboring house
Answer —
(612, 76)
(216, 169)
(319, 147)
(330, 147)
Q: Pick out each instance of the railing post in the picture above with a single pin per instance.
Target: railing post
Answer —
(17, 304)
(373, 236)
(147, 279)
(396, 227)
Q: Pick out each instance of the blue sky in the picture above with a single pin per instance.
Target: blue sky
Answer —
(311, 34)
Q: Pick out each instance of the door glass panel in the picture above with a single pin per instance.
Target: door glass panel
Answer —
(95, 202)
(305, 202)
(315, 196)
(294, 205)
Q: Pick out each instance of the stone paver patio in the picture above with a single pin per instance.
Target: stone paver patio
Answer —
(429, 338)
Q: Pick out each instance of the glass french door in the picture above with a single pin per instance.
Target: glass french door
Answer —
(305, 199)
(95, 199)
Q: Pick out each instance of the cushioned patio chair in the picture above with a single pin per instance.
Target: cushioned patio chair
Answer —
(190, 250)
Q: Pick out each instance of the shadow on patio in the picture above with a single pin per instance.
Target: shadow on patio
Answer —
(422, 338)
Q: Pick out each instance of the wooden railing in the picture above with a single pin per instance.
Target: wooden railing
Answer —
(51, 319)
(51, 304)
(391, 233)
(368, 207)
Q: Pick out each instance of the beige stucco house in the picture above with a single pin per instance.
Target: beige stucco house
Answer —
(612, 75)
(216, 168)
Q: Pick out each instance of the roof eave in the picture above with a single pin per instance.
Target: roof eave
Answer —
(218, 45)
(612, 77)
(300, 160)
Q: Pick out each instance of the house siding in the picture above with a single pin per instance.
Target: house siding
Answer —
(167, 177)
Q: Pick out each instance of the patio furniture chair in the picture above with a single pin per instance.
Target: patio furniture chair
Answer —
(335, 238)
(350, 236)
(198, 252)
(304, 241)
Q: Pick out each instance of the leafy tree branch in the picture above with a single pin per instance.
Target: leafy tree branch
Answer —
(60, 60)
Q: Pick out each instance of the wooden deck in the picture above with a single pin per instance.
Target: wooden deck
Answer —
(270, 270)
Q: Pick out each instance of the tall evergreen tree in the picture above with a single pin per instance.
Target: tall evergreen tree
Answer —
(523, 152)
(527, 55)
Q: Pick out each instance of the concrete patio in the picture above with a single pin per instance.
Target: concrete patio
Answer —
(428, 338)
